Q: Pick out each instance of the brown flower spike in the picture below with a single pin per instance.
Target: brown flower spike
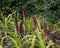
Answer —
(46, 31)
(21, 26)
(16, 20)
(35, 23)
(24, 8)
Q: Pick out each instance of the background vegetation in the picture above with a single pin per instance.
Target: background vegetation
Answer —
(46, 8)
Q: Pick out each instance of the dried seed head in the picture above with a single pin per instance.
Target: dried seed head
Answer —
(21, 27)
(46, 30)
(35, 23)
(15, 20)
(24, 8)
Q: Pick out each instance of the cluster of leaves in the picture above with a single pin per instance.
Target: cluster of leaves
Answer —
(26, 33)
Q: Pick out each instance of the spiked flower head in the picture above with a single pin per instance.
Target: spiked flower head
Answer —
(21, 26)
(46, 30)
(35, 23)
(24, 8)
(15, 20)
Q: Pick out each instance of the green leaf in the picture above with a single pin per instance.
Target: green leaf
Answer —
(0, 46)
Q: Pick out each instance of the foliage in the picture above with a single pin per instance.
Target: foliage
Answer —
(29, 37)
(29, 23)
(46, 8)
